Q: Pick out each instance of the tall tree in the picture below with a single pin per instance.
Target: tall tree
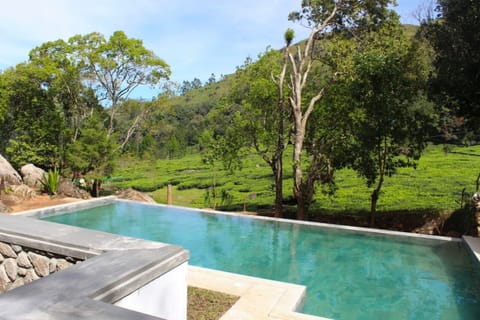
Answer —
(117, 67)
(93, 153)
(322, 17)
(455, 36)
(258, 93)
(390, 115)
(75, 101)
(32, 128)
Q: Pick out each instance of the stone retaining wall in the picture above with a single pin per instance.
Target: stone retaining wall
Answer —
(20, 265)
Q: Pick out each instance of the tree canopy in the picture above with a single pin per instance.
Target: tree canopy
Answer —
(455, 36)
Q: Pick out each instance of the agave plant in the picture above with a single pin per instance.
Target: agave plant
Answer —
(50, 182)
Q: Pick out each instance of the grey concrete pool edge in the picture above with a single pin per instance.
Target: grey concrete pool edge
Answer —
(83, 291)
(473, 245)
(67, 207)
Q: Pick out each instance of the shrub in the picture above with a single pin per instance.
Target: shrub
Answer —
(51, 181)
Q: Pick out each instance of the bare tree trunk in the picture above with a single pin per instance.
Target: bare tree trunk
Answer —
(373, 207)
(131, 130)
(96, 187)
(278, 170)
(382, 158)
(112, 116)
(279, 188)
(298, 190)
(301, 66)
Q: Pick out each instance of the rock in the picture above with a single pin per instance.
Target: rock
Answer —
(62, 264)
(8, 174)
(22, 272)
(23, 260)
(30, 276)
(131, 194)
(68, 189)
(4, 280)
(11, 269)
(18, 194)
(52, 267)
(3, 208)
(32, 176)
(7, 251)
(40, 263)
(18, 283)
(16, 248)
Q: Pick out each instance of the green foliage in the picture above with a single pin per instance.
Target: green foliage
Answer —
(455, 38)
(51, 181)
(352, 14)
(93, 153)
(117, 67)
(186, 115)
(252, 105)
(289, 36)
(390, 114)
(432, 186)
(32, 128)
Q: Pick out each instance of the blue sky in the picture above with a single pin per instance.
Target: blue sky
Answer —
(195, 37)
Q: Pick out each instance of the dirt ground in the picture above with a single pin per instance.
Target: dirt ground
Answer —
(41, 201)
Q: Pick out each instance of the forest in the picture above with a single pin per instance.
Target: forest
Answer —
(362, 94)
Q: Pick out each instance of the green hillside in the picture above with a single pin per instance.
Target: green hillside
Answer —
(436, 184)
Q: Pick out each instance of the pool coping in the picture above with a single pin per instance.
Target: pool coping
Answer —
(84, 290)
(259, 298)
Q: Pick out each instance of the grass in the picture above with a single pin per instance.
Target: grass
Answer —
(436, 184)
(208, 305)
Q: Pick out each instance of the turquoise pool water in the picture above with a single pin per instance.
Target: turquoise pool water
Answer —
(349, 275)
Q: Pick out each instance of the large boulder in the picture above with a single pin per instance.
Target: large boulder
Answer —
(131, 194)
(8, 175)
(4, 208)
(32, 176)
(18, 194)
(68, 189)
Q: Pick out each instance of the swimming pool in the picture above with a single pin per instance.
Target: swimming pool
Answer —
(349, 275)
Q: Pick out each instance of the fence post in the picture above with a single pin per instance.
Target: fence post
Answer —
(169, 194)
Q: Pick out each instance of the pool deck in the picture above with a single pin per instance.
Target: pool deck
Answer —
(259, 298)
